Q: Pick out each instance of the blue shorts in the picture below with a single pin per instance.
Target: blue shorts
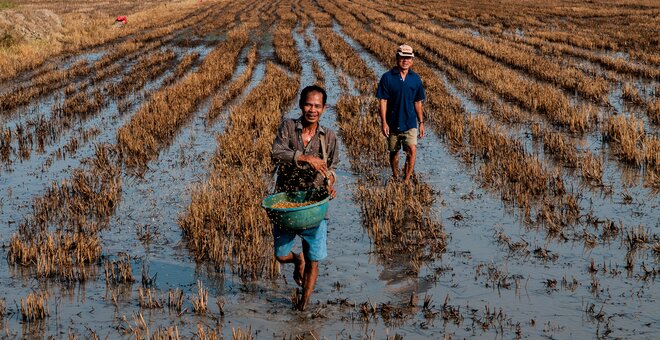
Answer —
(313, 241)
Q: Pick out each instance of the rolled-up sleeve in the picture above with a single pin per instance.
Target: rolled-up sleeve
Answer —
(282, 152)
(333, 153)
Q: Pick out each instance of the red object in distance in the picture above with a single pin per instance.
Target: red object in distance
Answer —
(121, 19)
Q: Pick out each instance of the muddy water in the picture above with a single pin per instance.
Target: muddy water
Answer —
(476, 274)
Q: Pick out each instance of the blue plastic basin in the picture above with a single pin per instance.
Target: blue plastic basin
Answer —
(304, 217)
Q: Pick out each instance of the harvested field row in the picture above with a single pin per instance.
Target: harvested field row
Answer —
(543, 69)
(79, 207)
(103, 67)
(80, 33)
(587, 26)
(156, 122)
(81, 105)
(232, 90)
(285, 47)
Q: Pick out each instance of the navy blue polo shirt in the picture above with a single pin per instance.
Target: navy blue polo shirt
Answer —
(401, 96)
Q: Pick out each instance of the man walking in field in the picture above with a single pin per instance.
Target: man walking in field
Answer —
(306, 155)
(401, 97)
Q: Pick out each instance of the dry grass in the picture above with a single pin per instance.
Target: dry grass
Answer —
(235, 88)
(149, 299)
(169, 333)
(119, 271)
(630, 93)
(175, 299)
(200, 301)
(318, 73)
(182, 68)
(148, 67)
(34, 307)
(653, 112)
(341, 55)
(401, 225)
(71, 29)
(154, 125)
(565, 151)
(23, 94)
(79, 207)
(627, 135)
(521, 178)
(508, 54)
(320, 19)
(286, 51)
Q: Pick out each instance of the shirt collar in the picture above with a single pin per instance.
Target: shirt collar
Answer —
(395, 70)
(299, 126)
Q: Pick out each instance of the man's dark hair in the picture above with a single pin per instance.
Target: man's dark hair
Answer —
(309, 89)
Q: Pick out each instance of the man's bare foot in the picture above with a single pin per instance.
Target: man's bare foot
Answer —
(299, 269)
(301, 305)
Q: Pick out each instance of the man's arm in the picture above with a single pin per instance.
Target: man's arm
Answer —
(333, 157)
(332, 162)
(419, 109)
(282, 153)
(383, 118)
(383, 94)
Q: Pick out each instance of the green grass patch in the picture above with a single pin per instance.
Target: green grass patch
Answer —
(6, 4)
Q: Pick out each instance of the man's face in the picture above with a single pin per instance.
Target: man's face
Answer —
(404, 63)
(313, 107)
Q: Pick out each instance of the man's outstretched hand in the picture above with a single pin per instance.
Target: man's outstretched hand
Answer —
(315, 162)
(331, 191)
(385, 129)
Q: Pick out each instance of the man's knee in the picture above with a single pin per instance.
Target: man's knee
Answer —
(411, 150)
(311, 265)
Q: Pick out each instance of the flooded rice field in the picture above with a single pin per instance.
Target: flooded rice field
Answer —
(132, 172)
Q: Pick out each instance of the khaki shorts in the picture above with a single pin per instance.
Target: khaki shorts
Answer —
(398, 139)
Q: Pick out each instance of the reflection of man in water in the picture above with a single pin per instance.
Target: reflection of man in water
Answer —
(307, 156)
(401, 95)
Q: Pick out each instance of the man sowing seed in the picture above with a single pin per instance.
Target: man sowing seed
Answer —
(298, 153)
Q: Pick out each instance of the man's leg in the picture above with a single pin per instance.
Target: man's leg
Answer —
(394, 163)
(298, 261)
(311, 273)
(283, 242)
(394, 145)
(411, 154)
(315, 249)
(410, 147)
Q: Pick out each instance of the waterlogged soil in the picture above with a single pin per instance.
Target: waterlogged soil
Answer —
(533, 286)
